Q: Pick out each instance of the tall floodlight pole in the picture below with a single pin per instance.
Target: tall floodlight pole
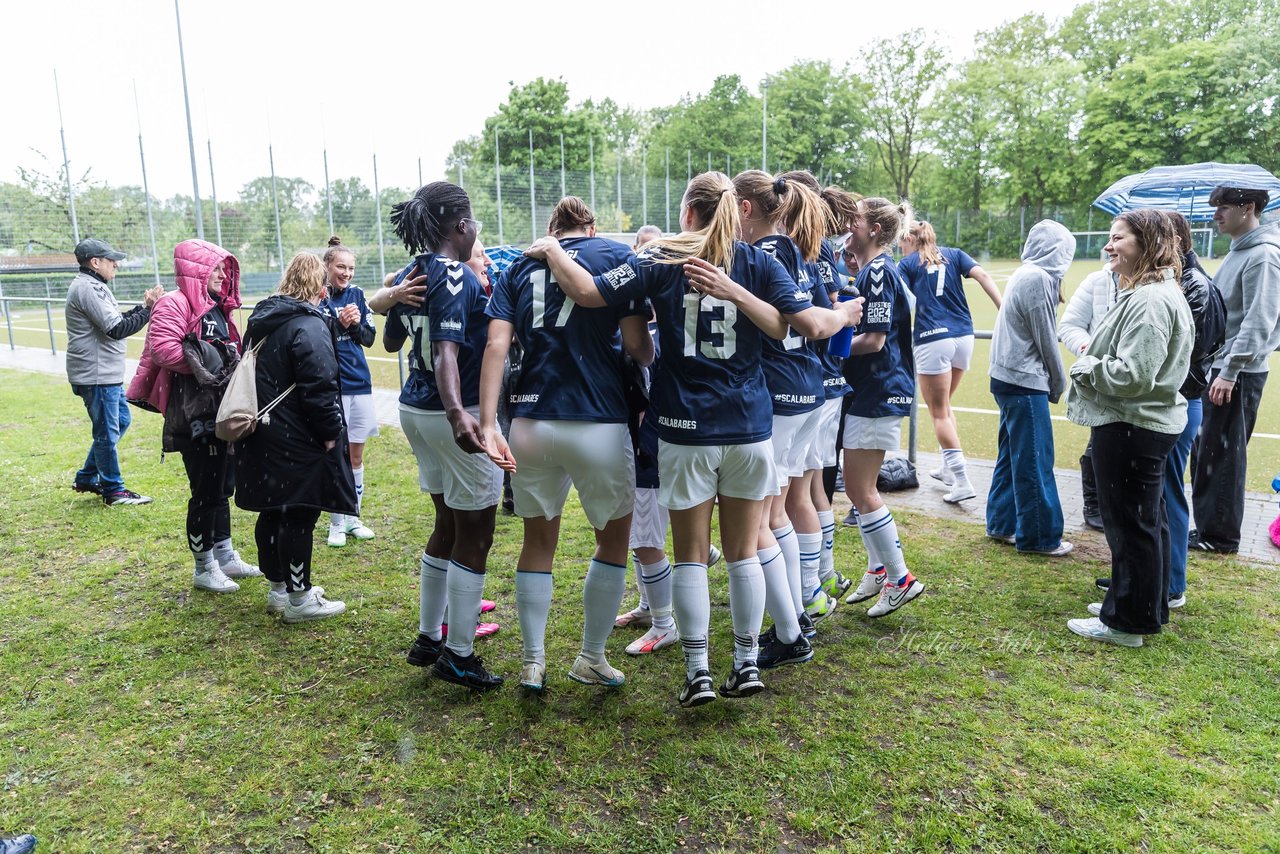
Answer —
(562, 184)
(191, 139)
(213, 190)
(328, 191)
(533, 205)
(275, 203)
(460, 184)
(497, 180)
(66, 163)
(419, 171)
(619, 155)
(667, 193)
(591, 155)
(146, 190)
(644, 185)
(689, 166)
(764, 128)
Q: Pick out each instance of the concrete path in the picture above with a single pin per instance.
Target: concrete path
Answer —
(1255, 545)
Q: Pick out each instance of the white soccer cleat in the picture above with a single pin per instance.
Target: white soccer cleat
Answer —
(596, 673)
(337, 536)
(894, 596)
(714, 556)
(868, 588)
(533, 675)
(653, 640)
(357, 529)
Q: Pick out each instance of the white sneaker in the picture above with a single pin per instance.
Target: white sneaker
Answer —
(943, 474)
(238, 567)
(653, 640)
(276, 602)
(869, 588)
(211, 577)
(1093, 629)
(533, 675)
(713, 556)
(961, 490)
(1178, 602)
(1095, 608)
(313, 607)
(337, 536)
(590, 673)
(357, 529)
(894, 596)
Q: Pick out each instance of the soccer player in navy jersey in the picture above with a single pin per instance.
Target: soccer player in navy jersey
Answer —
(772, 212)
(714, 299)
(569, 425)
(438, 412)
(943, 339)
(882, 374)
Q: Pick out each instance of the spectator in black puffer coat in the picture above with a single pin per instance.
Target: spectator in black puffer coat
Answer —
(295, 464)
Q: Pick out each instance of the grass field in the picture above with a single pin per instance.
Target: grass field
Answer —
(977, 429)
(139, 715)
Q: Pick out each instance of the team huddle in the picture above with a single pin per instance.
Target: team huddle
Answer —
(661, 381)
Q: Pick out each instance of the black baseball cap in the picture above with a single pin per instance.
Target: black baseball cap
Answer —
(92, 247)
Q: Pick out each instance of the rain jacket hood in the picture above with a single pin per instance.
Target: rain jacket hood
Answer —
(1051, 247)
(275, 311)
(193, 264)
(1249, 280)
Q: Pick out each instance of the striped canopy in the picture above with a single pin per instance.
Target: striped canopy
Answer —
(1186, 189)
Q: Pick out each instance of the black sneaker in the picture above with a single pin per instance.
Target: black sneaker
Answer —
(697, 690)
(93, 487)
(1103, 583)
(769, 635)
(807, 627)
(124, 496)
(467, 671)
(1206, 546)
(743, 682)
(776, 653)
(1093, 520)
(424, 651)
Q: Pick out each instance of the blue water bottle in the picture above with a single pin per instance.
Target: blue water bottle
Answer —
(839, 344)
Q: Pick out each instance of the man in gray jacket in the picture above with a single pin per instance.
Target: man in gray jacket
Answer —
(1249, 279)
(96, 333)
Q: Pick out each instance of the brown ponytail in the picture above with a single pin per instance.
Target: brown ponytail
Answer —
(571, 214)
(892, 219)
(792, 205)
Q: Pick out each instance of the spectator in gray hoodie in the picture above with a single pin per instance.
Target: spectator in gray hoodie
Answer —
(1249, 279)
(1026, 376)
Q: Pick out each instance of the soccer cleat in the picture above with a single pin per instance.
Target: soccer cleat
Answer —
(808, 628)
(697, 691)
(211, 577)
(353, 526)
(713, 556)
(637, 617)
(93, 487)
(483, 630)
(124, 496)
(837, 585)
(851, 521)
(487, 605)
(337, 536)
(868, 588)
(743, 681)
(821, 607)
(589, 673)
(236, 567)
(24, 844)
(960, 491)
(943, 474)
(276, 602)
(533, 675)
(894, 596)
(775, 653)
(467, 671)
(312, 607)
(1093, 629)
(653, 640)
(424, 651)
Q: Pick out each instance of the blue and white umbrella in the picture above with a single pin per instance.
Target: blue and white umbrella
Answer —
(1186, 189)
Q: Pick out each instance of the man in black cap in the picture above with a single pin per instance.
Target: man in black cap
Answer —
(95, 365)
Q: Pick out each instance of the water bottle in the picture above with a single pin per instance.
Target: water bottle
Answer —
(839, 344)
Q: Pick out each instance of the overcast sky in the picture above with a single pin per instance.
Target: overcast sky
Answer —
(403, 79)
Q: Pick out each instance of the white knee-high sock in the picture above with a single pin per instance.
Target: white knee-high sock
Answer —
(953, 459)
(358, 475)
(655, 579)
(880, 533)
(601, 597)
(640, 584)
(786, 537)
(746, 605)
(432, 594)
(827, 562)
(810, 557)
(777, 594)
(692, 603)
(336, 520)
(465, 589)
(533, 606)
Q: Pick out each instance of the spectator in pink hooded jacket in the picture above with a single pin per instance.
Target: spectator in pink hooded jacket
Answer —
(192, 347)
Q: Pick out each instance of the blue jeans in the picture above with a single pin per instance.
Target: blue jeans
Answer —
(1023, 501)
(109, 412)
(1175, 499)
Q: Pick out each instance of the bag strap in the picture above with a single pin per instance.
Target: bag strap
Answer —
(273, 404)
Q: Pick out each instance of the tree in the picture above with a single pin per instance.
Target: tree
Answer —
(902, 74)
(817, 120)
(962, 127)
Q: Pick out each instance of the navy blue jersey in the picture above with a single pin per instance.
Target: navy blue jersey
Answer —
(791, 367)
(941, 308)
(833, 382)
(884, 382)
(453, 310)
(353, 367)
(710, 388)
(571, 368)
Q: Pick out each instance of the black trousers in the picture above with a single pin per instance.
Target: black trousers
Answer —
(212, 478)
(1220, 461)
(1129, 464)
(829, 473)
(284, 539)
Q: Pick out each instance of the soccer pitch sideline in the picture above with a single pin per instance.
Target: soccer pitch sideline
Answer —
(139, 715)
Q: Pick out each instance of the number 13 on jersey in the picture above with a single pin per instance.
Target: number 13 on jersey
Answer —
(696, 304)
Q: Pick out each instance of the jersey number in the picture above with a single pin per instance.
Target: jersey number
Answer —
(542, 283)
(420, 330)
(693, 305)
(941, 272)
